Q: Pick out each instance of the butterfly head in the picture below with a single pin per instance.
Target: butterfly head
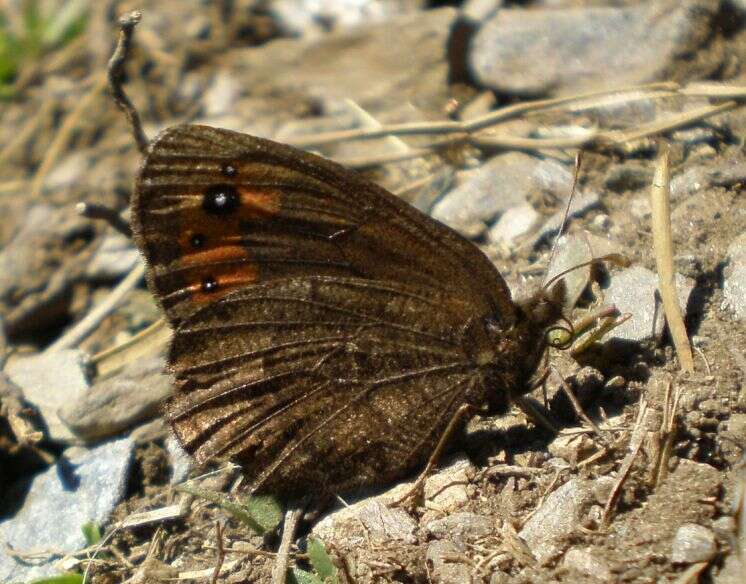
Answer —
(541, 323)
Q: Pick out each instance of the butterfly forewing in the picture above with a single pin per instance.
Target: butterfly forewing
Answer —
(215, 211)
(321, 381)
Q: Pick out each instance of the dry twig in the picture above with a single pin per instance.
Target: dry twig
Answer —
(660, 201)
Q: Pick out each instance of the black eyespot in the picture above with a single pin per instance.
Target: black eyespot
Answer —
(228, 170)
(221, 200)
(197, 240)
(209, 284)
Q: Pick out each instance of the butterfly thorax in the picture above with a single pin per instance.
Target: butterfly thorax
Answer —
(508, 354)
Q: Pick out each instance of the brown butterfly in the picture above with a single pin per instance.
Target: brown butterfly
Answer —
(326, 332)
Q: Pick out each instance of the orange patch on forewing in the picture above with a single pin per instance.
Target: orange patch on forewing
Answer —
(258, 204)
(220, 256)
(230, 266)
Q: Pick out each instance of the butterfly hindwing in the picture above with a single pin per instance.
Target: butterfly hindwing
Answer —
(215, 211)
(321, 380)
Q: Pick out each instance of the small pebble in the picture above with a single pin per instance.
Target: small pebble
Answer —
(601, 221)
(602, 487)
(693, 543)
(587, 562)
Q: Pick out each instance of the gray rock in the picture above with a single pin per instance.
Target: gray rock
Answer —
(115, 404)
(734, 278)
(220, 98)
(369, 520)
(571, 447)
(602, 487)
(446, 569)
(692, 180)
(181, 462)
(588, 563)
(433, 191)
(446, 489)
(724, 526)
(693, 543)
(85, 488)
(557, 517)
(573, 250)
(460, 527)
(50, 381)
(630, 45)
(151, 431)
(514, 223)
(38, 266)
(503, 182)
(311, 67)
(720, 172)
(114, 258)
(581, 203)
(633, 290)
(312, 18)
(640, 208)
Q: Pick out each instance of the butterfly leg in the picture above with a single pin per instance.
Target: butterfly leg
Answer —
(464, 411)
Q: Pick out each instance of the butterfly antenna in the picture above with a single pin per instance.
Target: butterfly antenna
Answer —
(115, 71)
(566, 215)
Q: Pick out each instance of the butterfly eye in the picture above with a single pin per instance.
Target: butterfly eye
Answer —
(209, 284)
(559, 336)
(220, 200)
(197, 240)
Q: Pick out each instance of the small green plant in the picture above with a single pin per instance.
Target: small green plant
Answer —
(28, 33)
(324, 571)
(91, 532)
(261, 513)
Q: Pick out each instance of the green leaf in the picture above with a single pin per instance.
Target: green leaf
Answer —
(265, 509)
(91, 532)
(320, 560)
(298, 576)
(61, 579)
(259, 513)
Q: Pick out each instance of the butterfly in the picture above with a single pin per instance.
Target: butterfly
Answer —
(325, 331)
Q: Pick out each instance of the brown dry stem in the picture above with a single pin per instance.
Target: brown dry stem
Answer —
(660, 202)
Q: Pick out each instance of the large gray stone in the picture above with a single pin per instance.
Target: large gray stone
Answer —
(461, 527)
(114, 258)
(693, 543)
(633, 291)
(557, 517)
(50, 381)
(369, 520)
(576, 49)
(378, 66)
(83, 487)
(501, 183)
(113, 405)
